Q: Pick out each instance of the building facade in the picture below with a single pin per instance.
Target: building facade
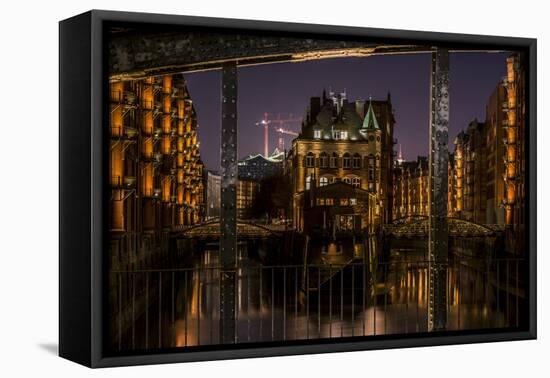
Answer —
(411, 188)
(486, 171)
(495, 123)
(515, 141)
(156, 173)
(471, 173)
(258, 167)
(489, 157)
(342, 146)
(213, 195)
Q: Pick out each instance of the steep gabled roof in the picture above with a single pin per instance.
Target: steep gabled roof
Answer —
(370, 122)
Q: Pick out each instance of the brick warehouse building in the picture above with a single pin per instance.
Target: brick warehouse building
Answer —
(341, 164)
(156, 173)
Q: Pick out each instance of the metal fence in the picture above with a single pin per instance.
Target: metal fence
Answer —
(166, 308)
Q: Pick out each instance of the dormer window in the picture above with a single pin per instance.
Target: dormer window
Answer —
(344, 135)
(336, 134)
(317, 134)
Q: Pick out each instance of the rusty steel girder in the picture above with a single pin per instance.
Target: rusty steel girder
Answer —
(439, 158)
(228, 212)
(137, 55)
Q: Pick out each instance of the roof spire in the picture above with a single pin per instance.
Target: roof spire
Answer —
(400, 159)
(370, 122)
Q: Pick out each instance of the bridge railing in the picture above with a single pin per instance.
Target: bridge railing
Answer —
(170, 308)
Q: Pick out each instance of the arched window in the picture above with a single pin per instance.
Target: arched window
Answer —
(356, 161)
(347, 180)
(310, 160)
(323, 160)
(324, 181)
(334, 160)
(347, 161)
(308, 182)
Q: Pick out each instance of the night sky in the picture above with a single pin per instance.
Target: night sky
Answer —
(287, 87)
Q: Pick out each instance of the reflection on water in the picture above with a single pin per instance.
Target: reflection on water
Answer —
(296, 302)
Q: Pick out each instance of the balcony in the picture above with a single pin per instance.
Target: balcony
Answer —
(130, 181)
(504, 81)
(147, 104)
(116, 96)
(157, 133)
(505, 106)
(130, 98)
(130, 132)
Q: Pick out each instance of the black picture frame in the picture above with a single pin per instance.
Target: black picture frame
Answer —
(82, 166)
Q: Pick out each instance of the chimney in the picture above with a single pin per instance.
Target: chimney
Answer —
(314, 108)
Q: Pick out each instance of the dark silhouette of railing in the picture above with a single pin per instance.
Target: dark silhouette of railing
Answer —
(165, 308)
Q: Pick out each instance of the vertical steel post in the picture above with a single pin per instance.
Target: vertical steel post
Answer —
(228, 212)
(439, 157)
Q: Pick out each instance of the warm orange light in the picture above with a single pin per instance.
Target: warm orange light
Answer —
(147, 148)
(148, 123)
(147, 181)
(166, 189)
(117, 216)
(166, 144)
(117, 164)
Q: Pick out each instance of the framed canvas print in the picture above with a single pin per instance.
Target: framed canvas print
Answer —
(234, 188)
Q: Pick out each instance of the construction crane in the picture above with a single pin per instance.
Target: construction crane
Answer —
(279, 123)
(282, 132)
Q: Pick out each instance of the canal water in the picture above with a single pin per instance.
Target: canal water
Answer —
(325, 299)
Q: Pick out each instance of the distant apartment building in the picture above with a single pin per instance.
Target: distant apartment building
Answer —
(411, 188)
(213, 195)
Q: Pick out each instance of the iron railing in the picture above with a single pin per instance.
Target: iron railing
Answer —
(163, 308)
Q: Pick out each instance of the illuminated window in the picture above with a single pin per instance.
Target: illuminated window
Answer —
(336, 134)
(324, 181)
(317, 134)
(344, 202)
(344, 135)
(310, 160)
(356, 161)
(334, 161)
(371, 168)
(320, 202)
(308, 182)
(353, 201)
(356, 181)
(329, 201)
(323, 160)
(347, 161)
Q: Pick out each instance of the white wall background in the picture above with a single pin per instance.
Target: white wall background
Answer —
(29, 186)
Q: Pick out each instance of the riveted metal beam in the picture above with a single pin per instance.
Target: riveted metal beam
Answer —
(228, 213)
(439, 158)
(133, 55)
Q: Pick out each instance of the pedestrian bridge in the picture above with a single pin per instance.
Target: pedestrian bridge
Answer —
(417, 226)
(211, 230)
